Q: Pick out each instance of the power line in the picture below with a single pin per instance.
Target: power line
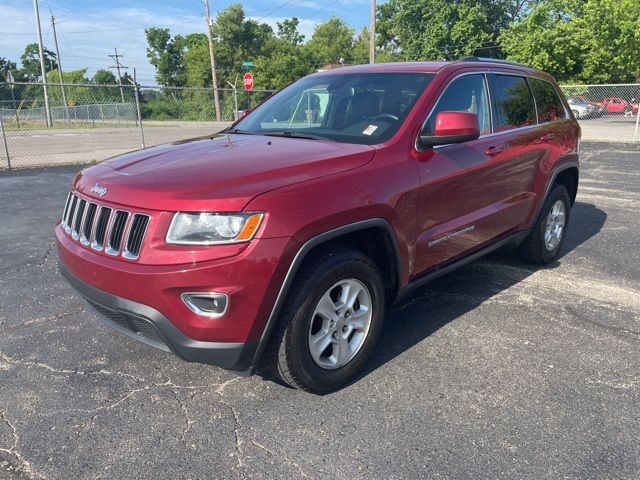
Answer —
(275, 10)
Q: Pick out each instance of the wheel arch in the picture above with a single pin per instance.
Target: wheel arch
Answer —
(568, 177)
(375, 237)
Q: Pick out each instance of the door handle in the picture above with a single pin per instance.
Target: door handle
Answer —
(548, 137)
(495, 150)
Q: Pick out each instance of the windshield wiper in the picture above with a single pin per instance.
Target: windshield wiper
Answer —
(239, 132)
(289, 133)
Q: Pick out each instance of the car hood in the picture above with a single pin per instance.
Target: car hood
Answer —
(223, 172)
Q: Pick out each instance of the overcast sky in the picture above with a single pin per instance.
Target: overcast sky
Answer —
(88, 30)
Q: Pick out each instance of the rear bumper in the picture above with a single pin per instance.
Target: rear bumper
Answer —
(147, 325)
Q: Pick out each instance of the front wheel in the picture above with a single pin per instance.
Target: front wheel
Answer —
(549, 232)
(330, 322)
(576, 113)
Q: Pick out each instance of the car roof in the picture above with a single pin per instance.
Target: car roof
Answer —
(482, 64)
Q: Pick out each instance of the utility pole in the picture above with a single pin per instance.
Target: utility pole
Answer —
(372, 34)
(116, 58)
(214, 80)
(64, 94)
(134, 82)
(43, 70)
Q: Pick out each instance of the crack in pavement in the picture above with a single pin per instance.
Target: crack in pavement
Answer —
(38, 321)
(14, 361)
(239, 455)
(33, 263)
(193, 390)
(185, 413)
(281, 455)
(25, 466)
(620, 385)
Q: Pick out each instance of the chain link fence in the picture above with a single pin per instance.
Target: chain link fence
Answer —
(100, 121)
(606, 112)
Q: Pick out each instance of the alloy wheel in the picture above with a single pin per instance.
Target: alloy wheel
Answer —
(340, 324)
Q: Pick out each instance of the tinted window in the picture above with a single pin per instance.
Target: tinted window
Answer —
(465, 94)
(549, 105)
(513, 103)
(363, 108)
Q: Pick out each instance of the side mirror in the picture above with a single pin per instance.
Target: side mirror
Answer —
(453, 127)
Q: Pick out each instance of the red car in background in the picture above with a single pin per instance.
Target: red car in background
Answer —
(617, 105)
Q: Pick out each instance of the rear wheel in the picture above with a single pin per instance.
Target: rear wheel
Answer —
(547, 237)
(330, 322)
(576, 113)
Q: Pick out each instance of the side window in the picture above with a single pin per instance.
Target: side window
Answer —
(465, 94)
(550, 107)
(513, 103)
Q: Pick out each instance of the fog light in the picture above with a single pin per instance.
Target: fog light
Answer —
(210, 304)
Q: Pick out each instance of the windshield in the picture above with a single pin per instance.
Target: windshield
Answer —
(365, 108)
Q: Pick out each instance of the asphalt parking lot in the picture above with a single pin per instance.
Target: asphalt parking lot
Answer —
(499, 370)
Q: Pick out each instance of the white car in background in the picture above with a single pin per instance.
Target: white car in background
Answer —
(582, 109)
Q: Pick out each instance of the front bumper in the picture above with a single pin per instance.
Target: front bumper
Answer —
(147, 325)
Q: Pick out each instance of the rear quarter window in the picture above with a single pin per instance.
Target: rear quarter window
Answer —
(513, 103)
(549, 105)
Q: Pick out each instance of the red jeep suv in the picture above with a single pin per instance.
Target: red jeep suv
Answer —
(278, 243)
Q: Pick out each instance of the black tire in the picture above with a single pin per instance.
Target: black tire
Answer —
(533, 248)
(288, 356)
(576, 113)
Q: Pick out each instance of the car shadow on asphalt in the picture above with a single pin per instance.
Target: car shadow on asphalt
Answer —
(434, 305)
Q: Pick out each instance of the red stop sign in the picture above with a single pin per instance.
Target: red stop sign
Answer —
(248, 81)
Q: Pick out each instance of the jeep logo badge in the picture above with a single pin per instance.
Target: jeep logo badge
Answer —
(99, 190)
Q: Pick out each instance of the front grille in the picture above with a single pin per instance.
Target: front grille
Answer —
(116, 232)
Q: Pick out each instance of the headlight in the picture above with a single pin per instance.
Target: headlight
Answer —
(213, 228)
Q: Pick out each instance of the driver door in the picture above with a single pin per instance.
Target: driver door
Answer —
(466, 190)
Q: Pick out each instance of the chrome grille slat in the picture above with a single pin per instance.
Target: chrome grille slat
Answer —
(66, 209)
(87, 223)
(70, 214)
(135, 235)
(77, 220)
(104, 228)
(117, 232)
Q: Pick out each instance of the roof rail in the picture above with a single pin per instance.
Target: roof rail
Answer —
(492, 60)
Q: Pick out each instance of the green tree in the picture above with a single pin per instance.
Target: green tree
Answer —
(31, 62)
(104, 77)
(238, 39)
(288, 31)
(330, 42)
(591, 41)
(6, 66)
(444, 29)
(285, 63)
(166, 54)
(105, 93)
(75, 95)
(360, 51)
(196, 59)
(614, 28)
